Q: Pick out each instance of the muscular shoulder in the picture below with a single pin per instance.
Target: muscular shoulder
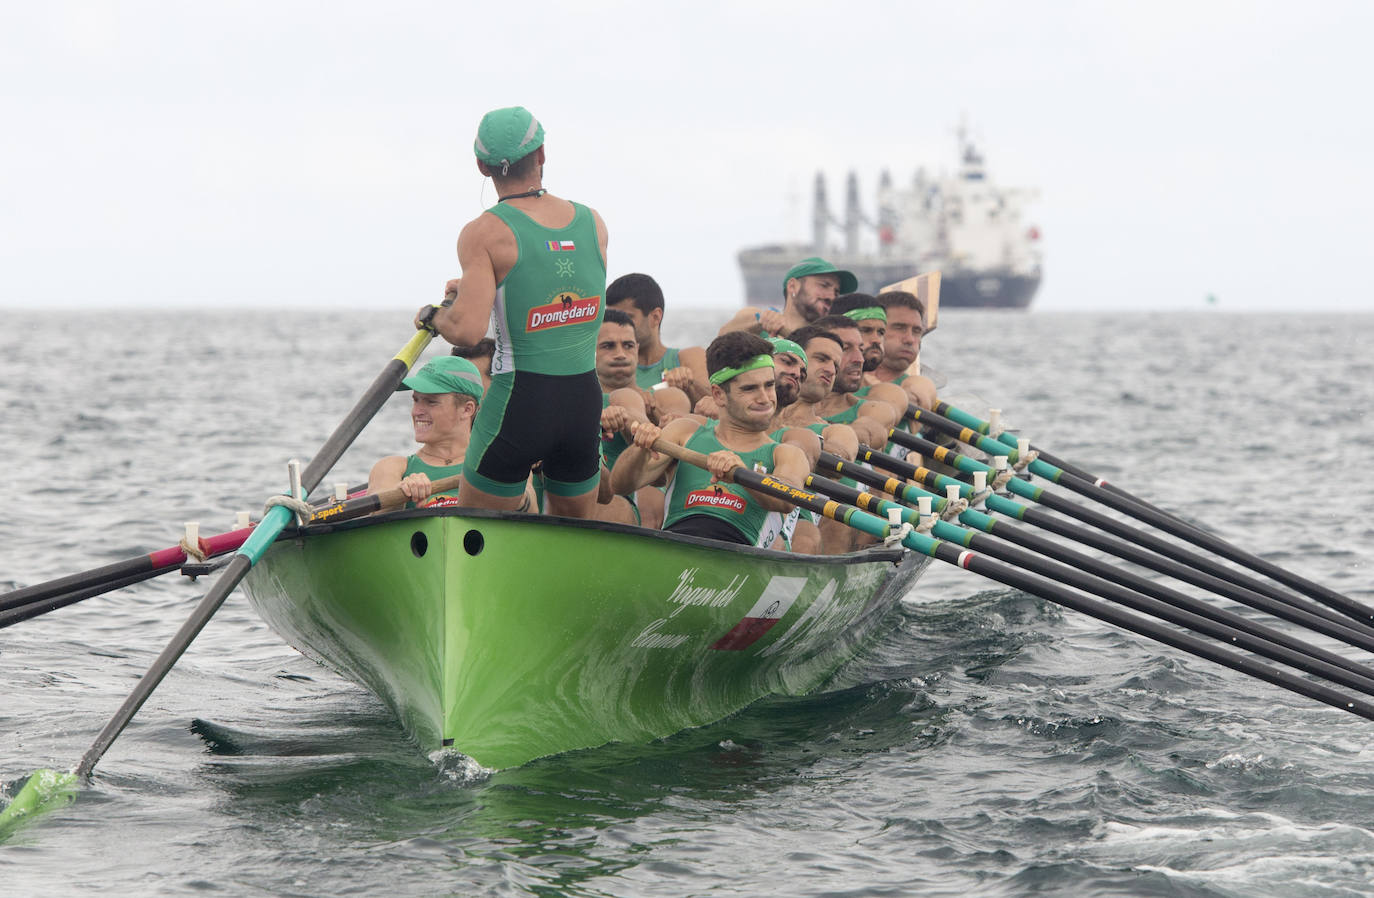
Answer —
(386, 473)
(680, 430)
(789, 461)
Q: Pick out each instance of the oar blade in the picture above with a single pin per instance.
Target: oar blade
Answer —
(46, 790)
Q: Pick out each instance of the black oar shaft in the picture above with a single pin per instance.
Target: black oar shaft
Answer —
(1123, 587)
(72, 583)
(1163, 520)
(43, 605)
(1039, 586)
(1128, 532)
(1193, 645)
(1235, 586)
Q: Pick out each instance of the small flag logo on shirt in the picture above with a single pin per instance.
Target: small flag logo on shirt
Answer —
(560, 246)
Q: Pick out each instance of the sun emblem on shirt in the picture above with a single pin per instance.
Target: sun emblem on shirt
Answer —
(565, 267)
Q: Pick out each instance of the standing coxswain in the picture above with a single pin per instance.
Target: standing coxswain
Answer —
(534, 269)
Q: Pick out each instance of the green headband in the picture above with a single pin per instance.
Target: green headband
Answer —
(782, 344)
(758, 361)
(866, 314)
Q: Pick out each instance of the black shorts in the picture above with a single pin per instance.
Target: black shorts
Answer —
(527, 418)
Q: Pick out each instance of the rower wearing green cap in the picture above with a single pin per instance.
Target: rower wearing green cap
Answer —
(534, 269)
(709, 504)
(808, 289)
(445, 396)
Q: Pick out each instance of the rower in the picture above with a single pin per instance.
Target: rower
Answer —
(801, 426)
(534, 270)
(444, 399)
(808, 289)
(479, 354)
(902, 348)
(709, 504)
(621, 403)
(868, 315)
(640, 297)
(871, 413)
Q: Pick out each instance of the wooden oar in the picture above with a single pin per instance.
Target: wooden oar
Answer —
(1033, 584)
(48, 788)
(1121, 586)
(1155, 518)
(1312, 616)
(1154, 543)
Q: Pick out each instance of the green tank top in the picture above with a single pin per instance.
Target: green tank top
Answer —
(648, 375)
(611, 449)
(548, 307)
(690, 492)
(414, 465)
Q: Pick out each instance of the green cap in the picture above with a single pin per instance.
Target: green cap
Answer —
(507, 135)
(447, 374)
(817, 265)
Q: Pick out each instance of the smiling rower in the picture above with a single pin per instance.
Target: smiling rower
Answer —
(444, 399)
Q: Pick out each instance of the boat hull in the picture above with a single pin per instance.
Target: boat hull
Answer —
(511, 637)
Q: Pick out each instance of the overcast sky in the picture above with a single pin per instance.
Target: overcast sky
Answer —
(298, 154)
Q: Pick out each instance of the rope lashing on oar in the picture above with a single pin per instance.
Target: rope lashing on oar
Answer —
(1032, 584)
(1291, 608)
(1169, 523)
(299, 507)
(1137, 593)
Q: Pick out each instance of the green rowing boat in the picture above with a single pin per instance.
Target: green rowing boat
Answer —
(509, 637)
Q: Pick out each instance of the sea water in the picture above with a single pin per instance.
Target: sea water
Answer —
(989, 743)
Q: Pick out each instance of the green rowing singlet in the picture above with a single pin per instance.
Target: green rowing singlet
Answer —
(691, 492)
(845, 417)
(648, 375)
(548, 307)
(414, 465)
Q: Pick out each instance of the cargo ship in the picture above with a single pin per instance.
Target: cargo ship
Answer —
(961, 225)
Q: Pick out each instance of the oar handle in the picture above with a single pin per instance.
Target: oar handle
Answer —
(383, 500)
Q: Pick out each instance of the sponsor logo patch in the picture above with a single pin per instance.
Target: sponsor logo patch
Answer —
(715, 498)
(566, 308)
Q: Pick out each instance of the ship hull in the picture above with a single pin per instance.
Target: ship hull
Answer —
(764, 271)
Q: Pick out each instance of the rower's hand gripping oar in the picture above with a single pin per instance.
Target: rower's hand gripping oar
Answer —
(1127, 504)
(49, 788)
(1033, 584)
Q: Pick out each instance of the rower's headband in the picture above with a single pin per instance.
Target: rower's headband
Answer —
(866, 314)
(758, 361)
(782, 344)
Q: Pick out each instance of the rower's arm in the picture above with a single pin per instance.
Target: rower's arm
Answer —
(640, 466)
(694, 357)
(466, 321)
(386, 474)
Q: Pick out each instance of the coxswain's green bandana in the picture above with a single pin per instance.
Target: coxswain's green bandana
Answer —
(782, 344)
(866, 314)
(758, 361)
